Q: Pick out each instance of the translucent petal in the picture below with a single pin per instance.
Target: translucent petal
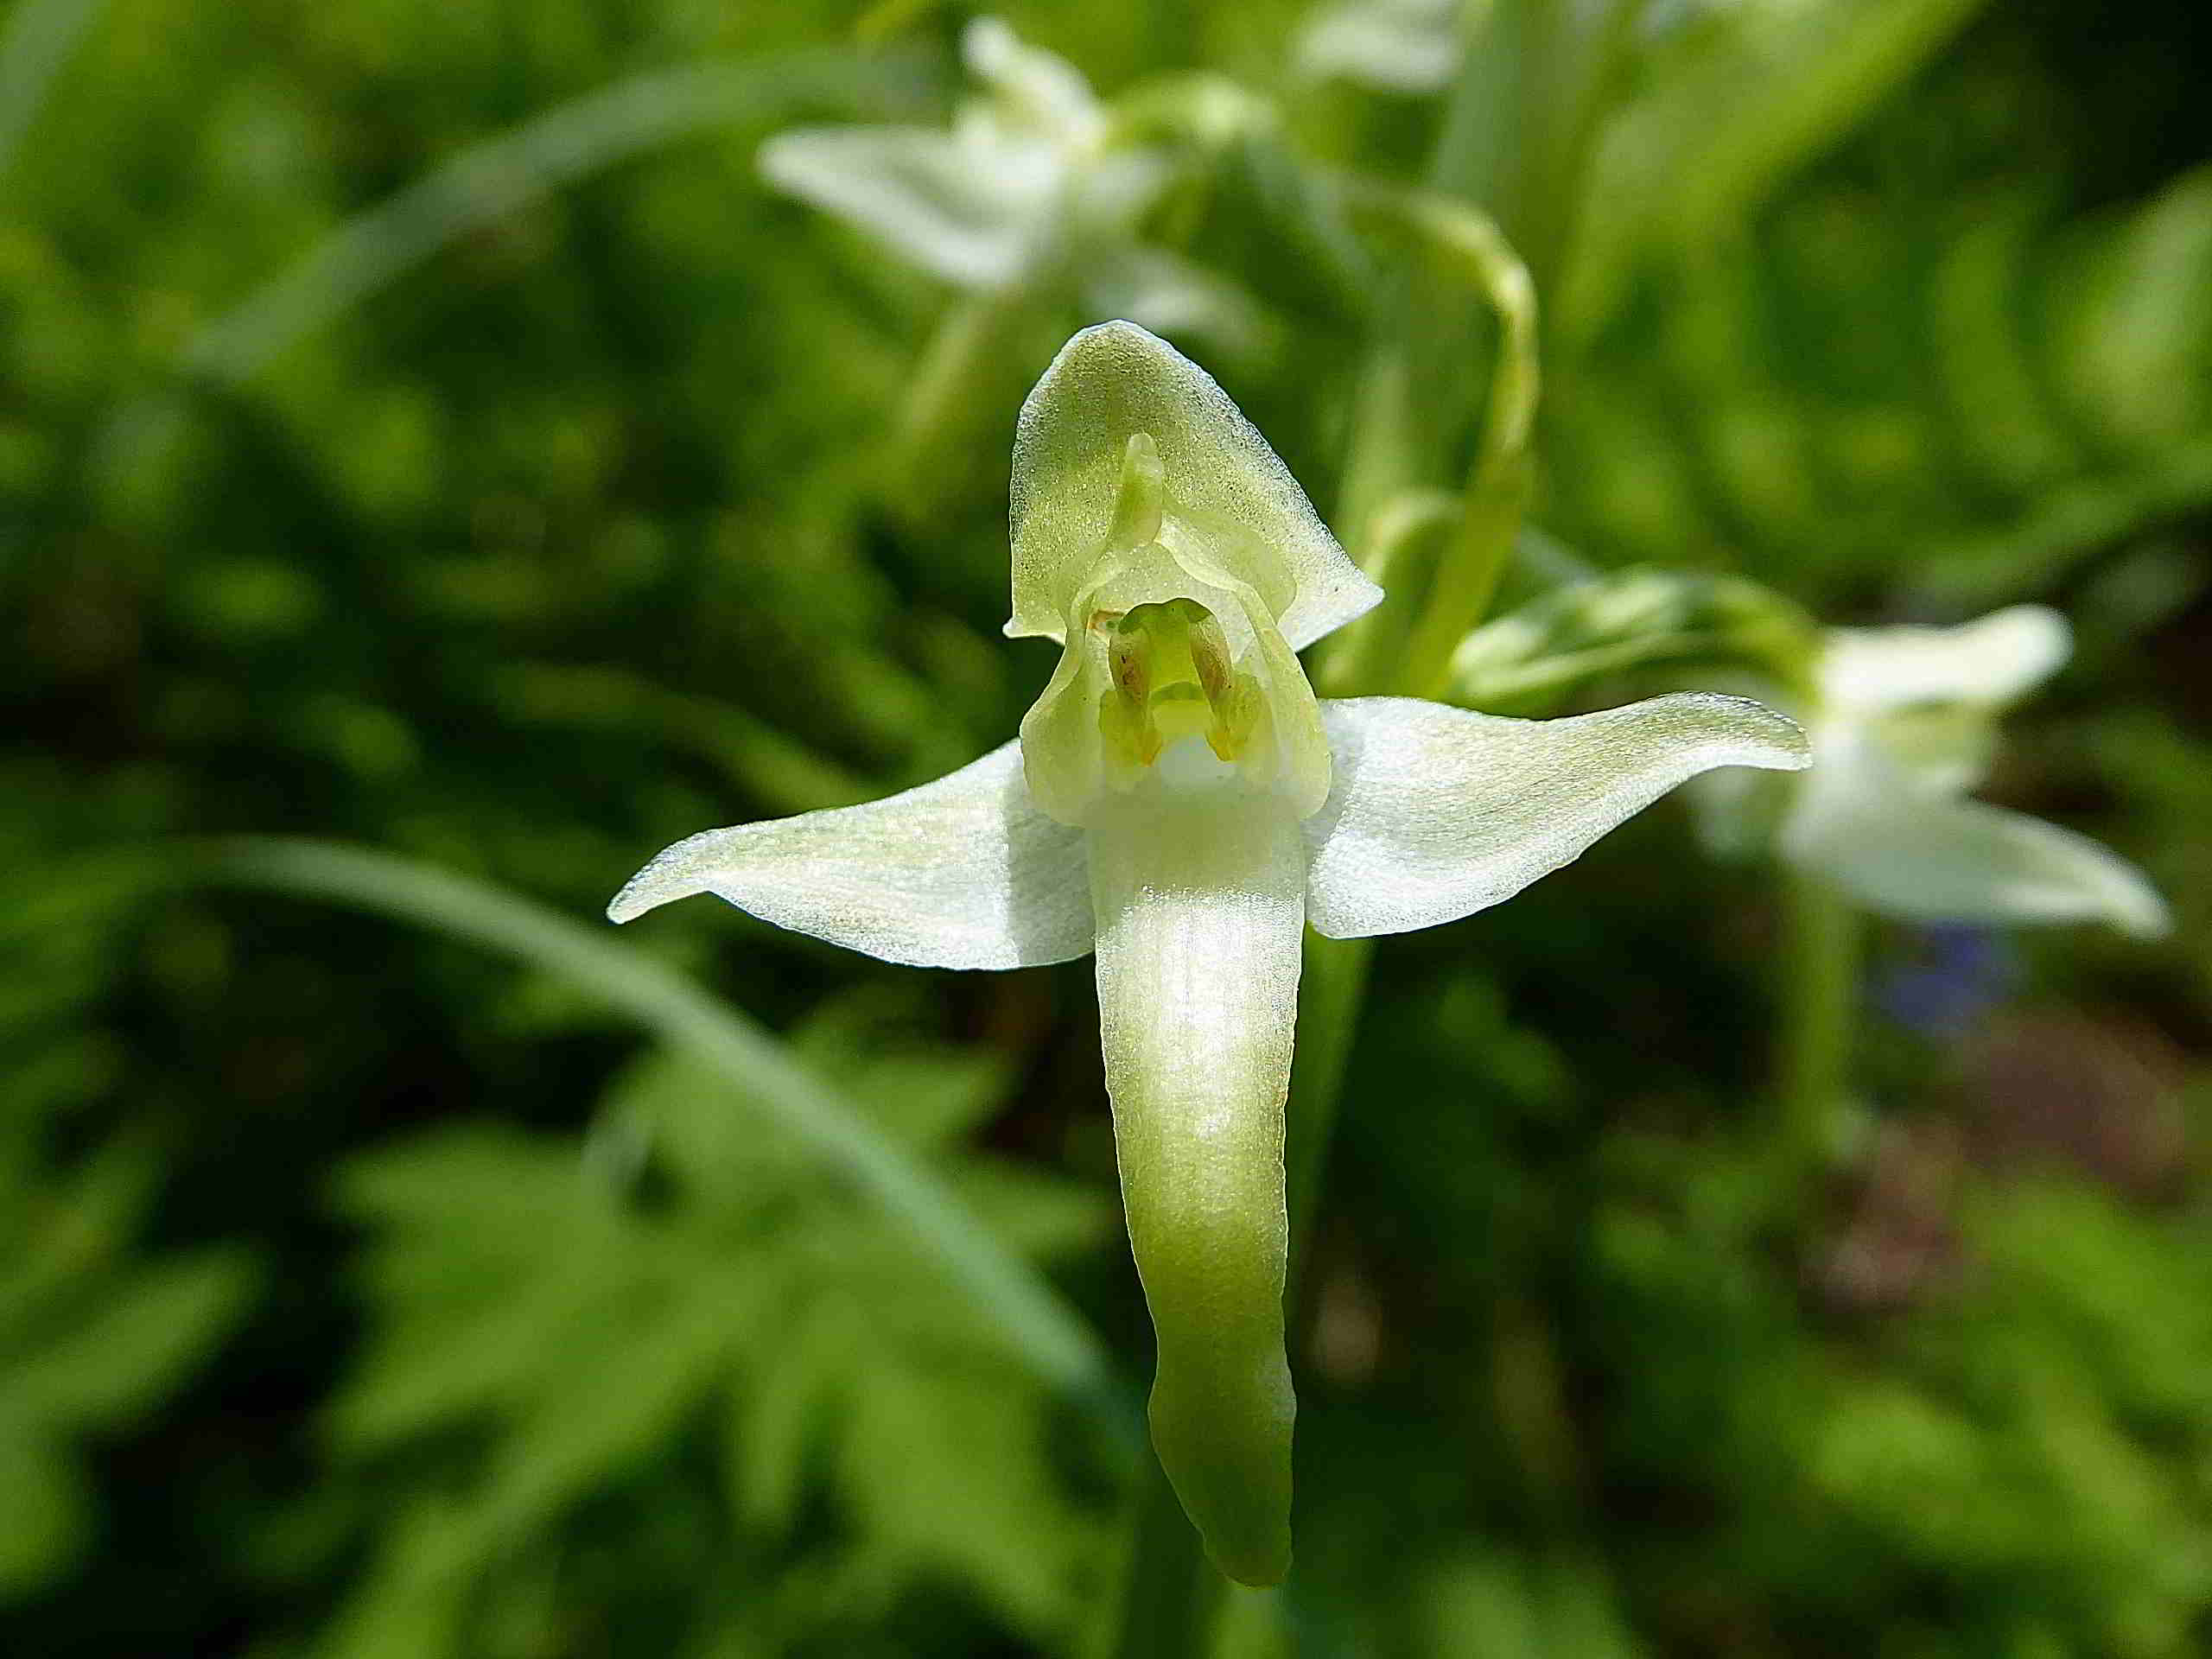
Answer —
(1438, 813)
(1198, 894)
(1991, 661)
(962, 872)
(966, 209)
(1229, 495)
(1932, 859)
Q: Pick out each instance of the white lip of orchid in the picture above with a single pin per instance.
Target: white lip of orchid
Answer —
(1180, 802)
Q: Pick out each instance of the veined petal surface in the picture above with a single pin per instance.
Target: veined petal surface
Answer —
(1940, 859)
(1439, 812)
(962, 872)
(1199, 900)
(1230, 496)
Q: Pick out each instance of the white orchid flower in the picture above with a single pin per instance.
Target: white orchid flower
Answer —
(1028, 183)
(1179, 803)
(1398, 46)
(1906, 722)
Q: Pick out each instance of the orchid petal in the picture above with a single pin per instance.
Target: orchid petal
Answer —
(1198, 892)
(1401, 46)
(1228, 498)
(961, 872)
(1988, 663)
(963, 209)
(1936, 859)
(1169, 294)
(1438, 812)
(1030, 88)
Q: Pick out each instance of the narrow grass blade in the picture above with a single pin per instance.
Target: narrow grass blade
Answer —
(1042, 1328)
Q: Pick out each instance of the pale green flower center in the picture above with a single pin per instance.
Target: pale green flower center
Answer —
(1163, 647)
(1172, 678)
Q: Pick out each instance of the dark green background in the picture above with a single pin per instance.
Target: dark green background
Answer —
(365, 1293)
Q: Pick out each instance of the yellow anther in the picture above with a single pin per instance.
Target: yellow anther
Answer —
(1237, 716)
(1129, 662)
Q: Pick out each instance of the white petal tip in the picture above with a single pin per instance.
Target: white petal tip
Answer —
(649, 889)
(2142, 914)
(1936, 860)
(1113, 329)
(1749, 733)
(781, 160)
(986, 44)
(1992, 661)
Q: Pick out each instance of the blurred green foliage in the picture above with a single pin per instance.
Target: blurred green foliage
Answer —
(419, 427)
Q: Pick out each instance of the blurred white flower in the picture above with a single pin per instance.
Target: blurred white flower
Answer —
(1399, 46)
(1906, 723)
(1029, 185)
(1181, 804)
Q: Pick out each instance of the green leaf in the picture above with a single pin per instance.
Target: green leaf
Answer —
(47, 1505)
(1040, 1327)
(145, 1332)
(946, 1468)
(495, 177)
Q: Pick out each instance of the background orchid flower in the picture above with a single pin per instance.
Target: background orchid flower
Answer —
(1398, 46)
(1905, 726)
(1029, 183)
(1181, 804)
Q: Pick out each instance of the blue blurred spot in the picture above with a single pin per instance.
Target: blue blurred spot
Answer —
(1958, 972)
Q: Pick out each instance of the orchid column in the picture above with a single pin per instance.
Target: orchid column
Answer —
(1180, 802)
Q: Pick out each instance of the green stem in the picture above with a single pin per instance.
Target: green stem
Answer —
(1818, 1018)
(1405, 545)
(1334, 984)
(1466, 579)
(969, 352)
(1170, 1592)
(1496, 494)
(1499, 481)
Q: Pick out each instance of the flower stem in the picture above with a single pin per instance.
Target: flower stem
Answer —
(1170, 1592)
(1819, 1019)
(1334, 985)
(1497, 487)
(967, 352)
(1496, 494)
